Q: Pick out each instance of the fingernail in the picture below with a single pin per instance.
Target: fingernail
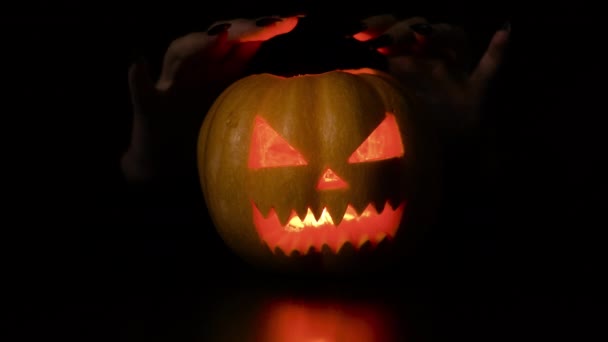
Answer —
(267, 21)
(507, 26)
(422, 28)
(217, 29)
(380, 41)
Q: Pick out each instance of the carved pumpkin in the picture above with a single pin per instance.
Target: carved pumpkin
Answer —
(327, 165)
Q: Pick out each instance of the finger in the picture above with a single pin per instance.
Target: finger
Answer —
(198, 46)
(407, 70)
(259, 29)
(192, 52)
(406, 66)
(400, 38)
(141, 87)
(217, 48)
(491, 60)
(374, 26)
(238, 59)
(244, 38)
(446, 42)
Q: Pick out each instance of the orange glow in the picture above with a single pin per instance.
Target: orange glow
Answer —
(362, 71)
(301, 234)
(278, 28)
(269, 149)
(363, 36)
(383, 50)
(383, 143)
(325, 321)
(330, 181)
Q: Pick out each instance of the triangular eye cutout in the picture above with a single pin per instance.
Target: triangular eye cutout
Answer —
(383, 143)
(269, 149)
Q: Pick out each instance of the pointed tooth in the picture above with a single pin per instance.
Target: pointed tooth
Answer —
(306, 216)
(333, 239)
(366, 246)
(379, 200)
(378, 238)
(394, 202)
(325, 235)
(326, 250)
(342, 240)
(284, 216)
(271, 214)
(317, 210)
(359, 207)
(290, 245)
(384, 245)
(351, 212)
(398, 220)
(347, 249)
(264, 208)
(353, 228)
(278, 252)
(301, 211)
(336, 211)
(353, 240)
(379, 206)
(261, 226)
(362, 240)
(370, 209)
(317, 240)
(305, 244)
(283, 243)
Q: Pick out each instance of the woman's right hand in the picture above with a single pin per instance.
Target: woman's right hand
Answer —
(168, 112)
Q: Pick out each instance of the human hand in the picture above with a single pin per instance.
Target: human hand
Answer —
(167, 114)
(197, 67)
(434, 59)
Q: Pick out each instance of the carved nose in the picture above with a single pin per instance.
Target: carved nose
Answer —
(330, 181)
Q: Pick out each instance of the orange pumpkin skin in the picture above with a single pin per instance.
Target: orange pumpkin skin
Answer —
(324, 172)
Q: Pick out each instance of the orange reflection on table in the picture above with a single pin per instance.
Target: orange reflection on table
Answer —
(325, 321)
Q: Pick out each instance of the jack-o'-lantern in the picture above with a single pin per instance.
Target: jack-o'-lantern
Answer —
(314, 170)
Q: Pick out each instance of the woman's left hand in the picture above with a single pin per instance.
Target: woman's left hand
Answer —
(434, 59)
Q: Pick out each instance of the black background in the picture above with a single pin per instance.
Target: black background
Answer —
(512, 259)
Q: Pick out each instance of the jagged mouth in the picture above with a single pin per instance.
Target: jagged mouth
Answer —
(309, 233)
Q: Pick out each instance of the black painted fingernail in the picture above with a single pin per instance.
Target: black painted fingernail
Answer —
(422, 28)
(380, 41)
(507, 26)
(267, 21)
(217, 29)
